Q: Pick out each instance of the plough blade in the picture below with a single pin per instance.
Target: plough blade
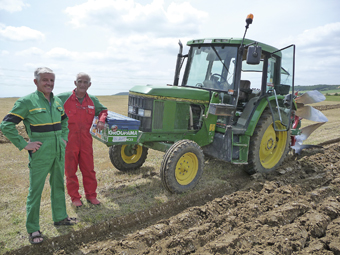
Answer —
(311, 97)
(310, 113)
(306, 131)
(299, 147)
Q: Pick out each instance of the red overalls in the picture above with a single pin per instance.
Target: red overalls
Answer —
(79, 147)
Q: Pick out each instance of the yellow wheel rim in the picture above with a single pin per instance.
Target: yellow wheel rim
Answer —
(186, 168)
(273, 145)
(130, 155)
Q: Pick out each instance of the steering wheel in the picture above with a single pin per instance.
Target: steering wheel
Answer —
(221, 77)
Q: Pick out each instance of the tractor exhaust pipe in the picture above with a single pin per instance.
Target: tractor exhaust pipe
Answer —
(178, 63)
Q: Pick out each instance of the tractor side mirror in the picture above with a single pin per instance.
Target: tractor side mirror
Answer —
(254, 55)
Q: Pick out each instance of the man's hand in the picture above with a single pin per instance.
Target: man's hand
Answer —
(65, 142)
(100, 126)
(33, 146)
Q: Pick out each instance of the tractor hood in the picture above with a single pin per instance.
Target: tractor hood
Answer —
(176, 92)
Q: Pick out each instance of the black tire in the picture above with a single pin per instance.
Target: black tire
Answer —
(182, 166)
(265, 154)
(127, 157)
(165, 160)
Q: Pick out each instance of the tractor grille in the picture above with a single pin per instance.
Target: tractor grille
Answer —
(136, 105)
(158, 115)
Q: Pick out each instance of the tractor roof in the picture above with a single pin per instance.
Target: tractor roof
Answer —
(231, 41)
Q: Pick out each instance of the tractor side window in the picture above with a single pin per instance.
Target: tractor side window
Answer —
(287, 66)
(286, 72)
(231, 72)
(270, 73)
(252, 73)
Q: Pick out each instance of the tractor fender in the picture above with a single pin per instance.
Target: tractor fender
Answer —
(259, 107)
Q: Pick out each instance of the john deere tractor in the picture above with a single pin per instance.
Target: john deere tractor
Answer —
(235, 103)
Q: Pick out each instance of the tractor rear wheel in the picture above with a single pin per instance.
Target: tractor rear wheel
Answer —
(182, 166)
(268, 148)
(128, 157)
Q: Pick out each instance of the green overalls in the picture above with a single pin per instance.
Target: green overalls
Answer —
(45, 122)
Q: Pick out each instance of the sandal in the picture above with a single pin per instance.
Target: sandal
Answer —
(66, 221)
(31, 237)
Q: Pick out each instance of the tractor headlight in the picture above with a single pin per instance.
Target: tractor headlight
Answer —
(144, 113)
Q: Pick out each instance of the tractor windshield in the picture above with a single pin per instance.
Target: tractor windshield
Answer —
(211, 67)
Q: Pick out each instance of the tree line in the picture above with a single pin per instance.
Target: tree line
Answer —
(320, 87)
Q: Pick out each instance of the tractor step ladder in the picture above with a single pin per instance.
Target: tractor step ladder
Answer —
(243, 147)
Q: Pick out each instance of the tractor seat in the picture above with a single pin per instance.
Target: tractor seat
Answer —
(244, 90)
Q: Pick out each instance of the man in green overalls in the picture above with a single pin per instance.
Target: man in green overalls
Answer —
(46, 125)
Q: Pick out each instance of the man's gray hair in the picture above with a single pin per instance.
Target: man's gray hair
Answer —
(83, 74)
(41, 70)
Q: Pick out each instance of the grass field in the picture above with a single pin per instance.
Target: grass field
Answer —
(333, 98)
(120, 193)
(333, 91)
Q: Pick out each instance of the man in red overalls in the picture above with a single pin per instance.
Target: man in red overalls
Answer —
(81, 108)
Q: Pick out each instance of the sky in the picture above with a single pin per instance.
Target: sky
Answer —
(124, 43)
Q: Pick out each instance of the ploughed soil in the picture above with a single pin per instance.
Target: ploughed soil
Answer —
(294, 210)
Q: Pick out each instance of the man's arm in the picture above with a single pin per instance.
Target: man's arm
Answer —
(8, 125)
(100, 111)
(64, 120)
(64, 127)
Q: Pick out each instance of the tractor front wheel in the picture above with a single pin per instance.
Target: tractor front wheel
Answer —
(128, 157)
(182, 166)
(268, 148)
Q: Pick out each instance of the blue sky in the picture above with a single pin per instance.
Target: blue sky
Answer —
(123, 43)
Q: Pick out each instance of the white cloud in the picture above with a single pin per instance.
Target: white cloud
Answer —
(329, 33)
(4, 52)
(20, 34)
(33, 51)
(61, 54)
(87, 57)
(140, 45)
(127, 16)
(317, 51)
(318, 41)
(12, 5)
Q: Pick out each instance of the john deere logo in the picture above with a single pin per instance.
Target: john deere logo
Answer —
(114, 128)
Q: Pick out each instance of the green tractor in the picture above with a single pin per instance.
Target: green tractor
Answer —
(236, 103)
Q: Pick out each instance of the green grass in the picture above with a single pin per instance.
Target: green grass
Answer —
(333, 98)
(332, 91)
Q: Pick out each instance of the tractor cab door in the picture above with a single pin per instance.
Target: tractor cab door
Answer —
(280, 83)
(272, 78)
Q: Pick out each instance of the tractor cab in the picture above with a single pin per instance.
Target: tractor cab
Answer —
(240, 71)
